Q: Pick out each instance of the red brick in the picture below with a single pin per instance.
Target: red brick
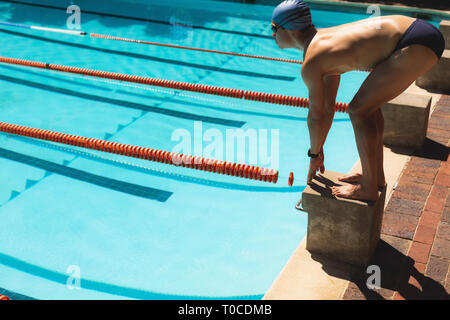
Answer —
(445, 168)
(409, 189)
(447, 202)
(438, 123)
(399, 244)
(413, 282)
(424, 234)
(404, 206)
(443, 105)
(386, 294)
(397, 296)
(441, 114)
(441, 248)
(353, 293)
(437, 269)
(430, 219)
(443, 231)
(446, 214)
(400, 225)
(436, 199)
(447, 282)
(419, 163)
(419, 252)
(440, 136)
(444, 100)
(412, 289)
(420, 267)
(423, 175)
(442, 180)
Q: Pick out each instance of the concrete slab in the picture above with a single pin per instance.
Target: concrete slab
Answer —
(406, 120)
(309, 276)
(438, 77)
(434, 94)
(444, 26)
(341, 229)
(394, 163)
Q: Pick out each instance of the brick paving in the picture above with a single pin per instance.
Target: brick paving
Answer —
(414, 251)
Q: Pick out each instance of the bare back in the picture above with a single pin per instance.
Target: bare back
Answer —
(357, 45)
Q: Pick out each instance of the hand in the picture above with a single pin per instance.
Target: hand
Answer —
(315, 164)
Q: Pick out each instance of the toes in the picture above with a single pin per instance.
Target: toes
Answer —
(335, 190)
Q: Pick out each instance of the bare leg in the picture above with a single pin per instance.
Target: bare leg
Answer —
(389, 78)
(381, 181)
(366, 135)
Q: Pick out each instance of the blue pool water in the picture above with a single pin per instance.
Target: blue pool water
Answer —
(136, 229)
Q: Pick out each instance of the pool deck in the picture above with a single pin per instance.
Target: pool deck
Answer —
(414, 251)
(380, 4)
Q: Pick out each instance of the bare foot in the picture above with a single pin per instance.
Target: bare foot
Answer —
(354, 192)
(356, 177)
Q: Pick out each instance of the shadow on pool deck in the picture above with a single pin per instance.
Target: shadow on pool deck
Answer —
(396, 270)
(431, 149)
(414, 254)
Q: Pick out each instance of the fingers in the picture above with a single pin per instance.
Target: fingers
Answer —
(314, 167)
(311, 173)
(309, 179)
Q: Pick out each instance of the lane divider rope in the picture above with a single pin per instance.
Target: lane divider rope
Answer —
(71, 32)
(102, 36)
(155, 155)
(178, 85)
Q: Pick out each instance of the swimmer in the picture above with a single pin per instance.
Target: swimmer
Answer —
(398, 49)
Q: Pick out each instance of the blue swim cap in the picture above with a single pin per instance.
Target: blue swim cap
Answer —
(292, 15)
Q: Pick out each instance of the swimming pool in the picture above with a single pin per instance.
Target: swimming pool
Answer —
(132, 228)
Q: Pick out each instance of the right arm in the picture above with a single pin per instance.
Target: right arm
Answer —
(322, 97)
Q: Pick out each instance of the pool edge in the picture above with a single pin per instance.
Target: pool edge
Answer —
(311, 277)
(400, 8)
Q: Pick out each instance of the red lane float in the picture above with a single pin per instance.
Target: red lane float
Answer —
(233, 93)
(102, 36)
(2, 297)
(213, 90)
(172, 158)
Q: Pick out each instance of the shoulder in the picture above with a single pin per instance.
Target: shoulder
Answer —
(313, 67)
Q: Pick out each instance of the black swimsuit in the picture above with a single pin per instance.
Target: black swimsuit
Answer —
(423, 33)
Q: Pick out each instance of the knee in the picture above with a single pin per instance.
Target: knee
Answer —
(359, 113)
(356, 112)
